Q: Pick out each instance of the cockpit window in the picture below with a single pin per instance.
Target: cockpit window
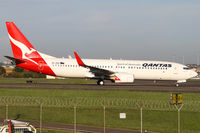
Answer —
(186, 68)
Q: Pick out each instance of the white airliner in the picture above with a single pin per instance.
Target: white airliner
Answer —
(118, 71)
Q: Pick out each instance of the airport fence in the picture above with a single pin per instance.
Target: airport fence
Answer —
(157, 115)
(189, 105)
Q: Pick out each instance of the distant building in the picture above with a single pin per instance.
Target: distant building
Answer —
(50, 77)
(9, 69)
(53, 77)
(8, 66)
(197, 70)
(195, 67)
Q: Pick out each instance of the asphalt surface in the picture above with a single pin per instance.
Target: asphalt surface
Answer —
(79, 128)
(146, 86)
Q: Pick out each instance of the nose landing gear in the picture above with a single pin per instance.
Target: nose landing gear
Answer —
(177, 84)
(100, 82)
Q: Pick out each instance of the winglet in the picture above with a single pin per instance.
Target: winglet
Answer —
(78, 59)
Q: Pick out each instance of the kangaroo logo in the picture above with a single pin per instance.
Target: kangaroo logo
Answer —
(25, 50)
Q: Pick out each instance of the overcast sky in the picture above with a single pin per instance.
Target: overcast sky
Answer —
(128, 29)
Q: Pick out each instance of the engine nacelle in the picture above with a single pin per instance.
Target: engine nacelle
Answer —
(123, 77)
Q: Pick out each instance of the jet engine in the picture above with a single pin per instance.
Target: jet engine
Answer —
(123, 77)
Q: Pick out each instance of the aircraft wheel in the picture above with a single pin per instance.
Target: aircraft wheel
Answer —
(100, 82)
(177, 85)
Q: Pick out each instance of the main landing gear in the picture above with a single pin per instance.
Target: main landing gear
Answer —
(177, 84)
(100, 82)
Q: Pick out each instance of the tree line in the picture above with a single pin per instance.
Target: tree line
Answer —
(20, 73)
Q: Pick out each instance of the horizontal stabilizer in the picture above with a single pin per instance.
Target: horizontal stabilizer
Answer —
(16, 60)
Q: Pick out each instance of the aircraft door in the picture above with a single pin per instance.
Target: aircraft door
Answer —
(175, 71)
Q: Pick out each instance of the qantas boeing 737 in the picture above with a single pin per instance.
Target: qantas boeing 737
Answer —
(118, 71)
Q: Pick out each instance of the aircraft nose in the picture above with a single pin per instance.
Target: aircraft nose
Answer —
(194, 74)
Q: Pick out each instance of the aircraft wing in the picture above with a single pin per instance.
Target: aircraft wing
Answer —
(98, 72)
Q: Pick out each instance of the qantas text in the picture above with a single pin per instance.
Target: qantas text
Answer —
(156, 65)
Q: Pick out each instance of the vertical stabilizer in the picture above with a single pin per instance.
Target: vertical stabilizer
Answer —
(21, 47)
(24, 53)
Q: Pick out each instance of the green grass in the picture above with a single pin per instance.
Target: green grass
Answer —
(196, 80)
(158, 114)
(92, 98)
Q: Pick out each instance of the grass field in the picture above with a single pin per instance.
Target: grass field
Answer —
(158, 114)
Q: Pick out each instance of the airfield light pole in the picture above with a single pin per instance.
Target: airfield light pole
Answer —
(104, 119)
(40, 118)
(74, 118)
(6, 111)
(177, 99)
(179, 117)
(141, 115)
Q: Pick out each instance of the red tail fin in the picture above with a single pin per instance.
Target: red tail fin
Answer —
(21, 47)
(24, 53)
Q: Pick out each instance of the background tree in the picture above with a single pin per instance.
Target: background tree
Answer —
(19, 72)
(18, 69)
(2, 71)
